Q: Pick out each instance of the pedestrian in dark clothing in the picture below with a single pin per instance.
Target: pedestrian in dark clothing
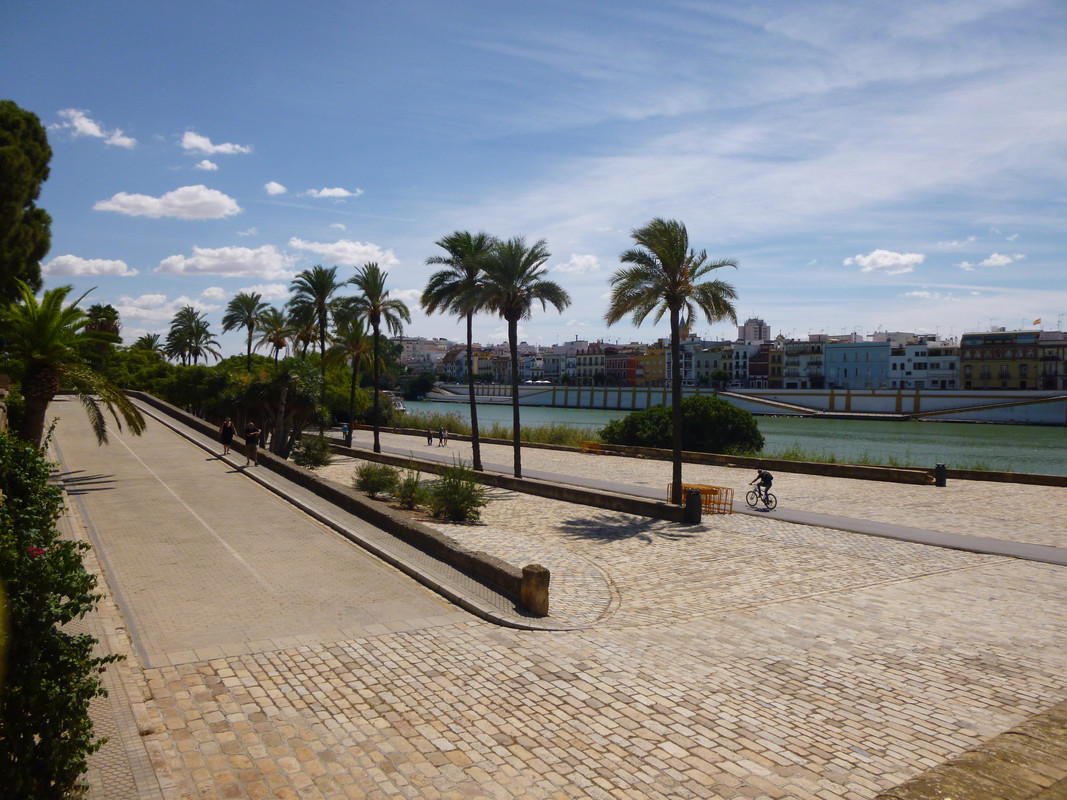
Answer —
(226, 433)
(429, 437)
(251, 444)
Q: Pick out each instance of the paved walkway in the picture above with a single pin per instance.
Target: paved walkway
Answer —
(745, 657)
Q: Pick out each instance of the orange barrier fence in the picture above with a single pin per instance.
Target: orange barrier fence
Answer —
(713, 499)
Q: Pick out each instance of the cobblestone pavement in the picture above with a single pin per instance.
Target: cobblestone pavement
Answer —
(744, 657)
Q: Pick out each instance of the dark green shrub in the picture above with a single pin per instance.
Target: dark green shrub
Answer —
(51, 676)
(457, 496)
(376, 478)
(410, 492)
(709, 425)
(312, 451)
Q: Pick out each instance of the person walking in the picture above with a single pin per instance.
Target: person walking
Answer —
(444, 437)
(226, 433)
(441, 436)
(429, 437)
(251, 444)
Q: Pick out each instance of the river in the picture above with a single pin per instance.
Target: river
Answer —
(958, 445)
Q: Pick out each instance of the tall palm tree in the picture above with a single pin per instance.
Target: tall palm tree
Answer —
(514, 280)
(190, 337)
(374, 305)
(455, 289)
(148, 341)
(302, 328)
(666, 277)
(243, 311)
(350, 346)
(48, 338)
(274, 330)
(313, 291)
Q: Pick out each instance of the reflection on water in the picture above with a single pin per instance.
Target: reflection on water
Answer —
(1016, 448)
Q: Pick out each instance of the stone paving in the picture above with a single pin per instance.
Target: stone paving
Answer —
(744, 657)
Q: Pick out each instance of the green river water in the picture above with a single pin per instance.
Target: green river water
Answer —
(1013, 448)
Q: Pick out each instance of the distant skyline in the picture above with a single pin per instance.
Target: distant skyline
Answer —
(870, 166)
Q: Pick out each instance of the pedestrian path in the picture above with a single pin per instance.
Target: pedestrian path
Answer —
(1046, 554)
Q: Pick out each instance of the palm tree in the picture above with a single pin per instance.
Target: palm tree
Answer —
(514, 279)
(243, 311)
(351, 347)
(190, 337)
(48, 338)
(302, 328)
(455, 289)
(275, 331)
(666, 278)
(313, 291)
(375, 306)
(148, 341)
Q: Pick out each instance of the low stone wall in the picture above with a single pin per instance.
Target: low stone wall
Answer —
(481, 566)
(554, 491)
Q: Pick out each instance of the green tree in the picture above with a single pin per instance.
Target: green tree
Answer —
(313, 291)
(514, 280)
(274, 330)
(666, 278)
(374, 305)
(711, 425)
(455, 289)
(25, 230)
(49, 338)
(148, 341)
(244, 311)
(351, 347)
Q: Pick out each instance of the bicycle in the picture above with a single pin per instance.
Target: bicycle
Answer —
(754, 497)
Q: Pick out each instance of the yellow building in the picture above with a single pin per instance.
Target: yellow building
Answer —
(652, 366)
(1000, 360)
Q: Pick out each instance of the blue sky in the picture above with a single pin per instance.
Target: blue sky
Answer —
(871, 166)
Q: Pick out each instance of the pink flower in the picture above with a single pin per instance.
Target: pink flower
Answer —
(36, 552)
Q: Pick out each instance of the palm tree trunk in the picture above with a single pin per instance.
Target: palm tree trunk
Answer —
(475, 444)
(352, 401)
(676, 409)
(377, 443)
(513, 342)
(38, 389)
(248, 356)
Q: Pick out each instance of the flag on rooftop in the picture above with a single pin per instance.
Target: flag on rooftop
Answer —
(1036, 321)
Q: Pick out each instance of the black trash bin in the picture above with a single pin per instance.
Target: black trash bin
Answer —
(693, 506)
(940, 475)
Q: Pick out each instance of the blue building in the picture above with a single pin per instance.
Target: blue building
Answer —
(857, 365)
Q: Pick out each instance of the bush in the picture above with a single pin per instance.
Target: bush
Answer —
(51, 676)
(457, 496)
(376, 478)
(410, 493)
(709, 425)
(312, 451)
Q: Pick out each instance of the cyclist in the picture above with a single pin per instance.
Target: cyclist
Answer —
(765, 479)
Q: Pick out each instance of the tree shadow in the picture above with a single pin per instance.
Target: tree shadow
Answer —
(612, 528)
(78, 482)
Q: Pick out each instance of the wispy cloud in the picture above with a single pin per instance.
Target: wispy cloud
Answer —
(273, 187)
(188, 202)
(347, 252)
(579, 264)
(210, 166)
(195, 143)
(995, 260)
(157, 308)
(336, 193)
(80, 124)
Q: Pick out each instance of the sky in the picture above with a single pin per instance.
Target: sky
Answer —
(870, 166)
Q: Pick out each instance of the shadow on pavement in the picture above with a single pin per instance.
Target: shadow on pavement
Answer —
(610, 528)
(75, 483)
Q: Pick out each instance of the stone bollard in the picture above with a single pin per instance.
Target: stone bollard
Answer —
(534, 589)
(940, 475)
(694, 506)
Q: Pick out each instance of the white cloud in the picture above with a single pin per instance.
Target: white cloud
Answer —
(886, 261)
(957, 243)
(73, 265)
(210, 166)
(238, 262)
(410, 296)
(336, 193)
(1013, 237)
(249, 232)
(156, 307)
(995, 260)
(344, 251)
(79, 123)
(213, 293)
(339, 225)
(273, 187)
(925, 294)
(195, 143)
(188, 202)
(579, 264)
(268, 291)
